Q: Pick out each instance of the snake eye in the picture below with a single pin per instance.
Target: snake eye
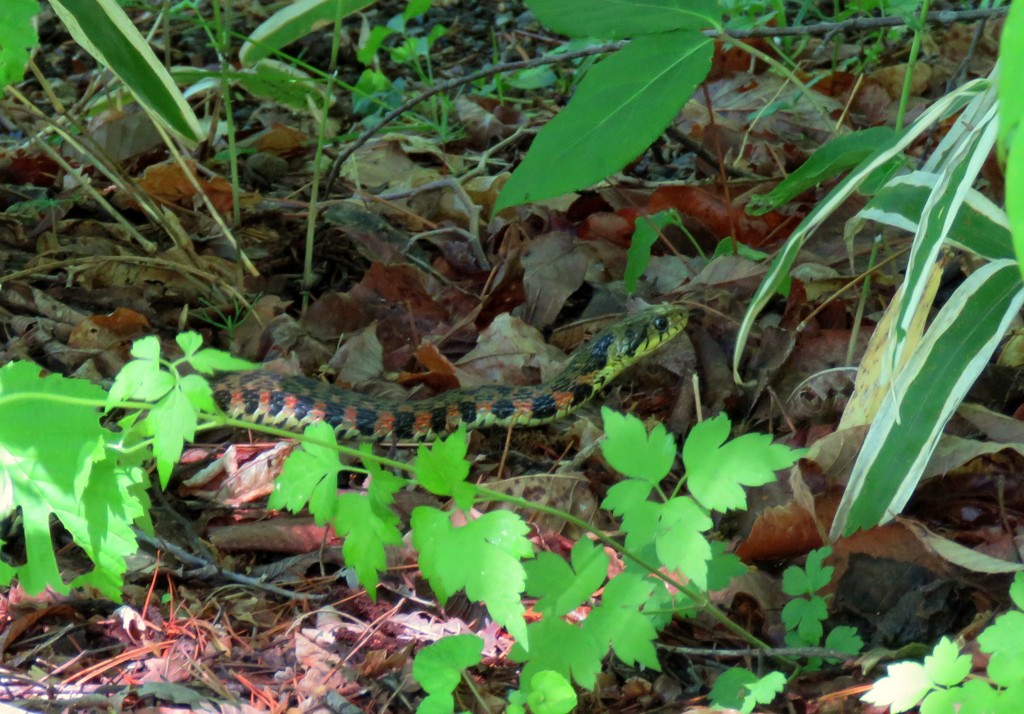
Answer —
(660, 323)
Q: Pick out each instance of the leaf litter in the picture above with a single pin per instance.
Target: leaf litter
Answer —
(419, 287)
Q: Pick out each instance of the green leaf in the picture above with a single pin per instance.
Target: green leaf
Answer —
(442, 468)
(292, 22)
(945, 665)
(717, 471)
(904, 685)
(741, 689)
(209, 361)
(845, 639)
(646, 233)
(19, 37)
(367, 528)
(551, 693)
(1011, 102)
(171, 422)
(621, 106)
(631, 451)
(830, 159)
(778, 272)
(56, 458)
(619, 621)
(680, 543)
(925, 394)
(613, 19)
(1002, 639)
(723, 567)
(438, 667)
(483, 557)
(560, 647)
(561, 588)
(804, 616)
(812, 577)
(974, 696)
(309, 476)
(103, 29)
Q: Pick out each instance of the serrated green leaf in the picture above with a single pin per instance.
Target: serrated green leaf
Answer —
(309, 475)
(190, 342)
(367, 529)
(1017, 590)
(438, 666)
(561, 588)
(741, 689)
(804, 616)
(903, 687)
(619, 621)
(945, 665)
(560, 647)
(551, 693)
(54, 460)
(717, 470)
(845, 639)
(680, 542)
(140, 379)
(483, 557)
(723, 567)
(630, 450)
(442, 468)
(210, 360)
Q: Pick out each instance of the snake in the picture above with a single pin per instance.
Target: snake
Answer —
(292, 402)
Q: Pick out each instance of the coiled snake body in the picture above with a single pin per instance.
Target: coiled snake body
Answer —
(291, 402)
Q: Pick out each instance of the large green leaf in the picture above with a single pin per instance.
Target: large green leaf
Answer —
(103, 29)
(955, 349)
(17, 37)
(613, 19)
(621, 106)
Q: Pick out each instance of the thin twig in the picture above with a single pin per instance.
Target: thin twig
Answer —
(206, 569)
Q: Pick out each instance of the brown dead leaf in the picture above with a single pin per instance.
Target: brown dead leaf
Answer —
(241, 474)
(509, 352)
(552, 271)
(168, 183)
(115, 331)
(486, 119)
(279, 140)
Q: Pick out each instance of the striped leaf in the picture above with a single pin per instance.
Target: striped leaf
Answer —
(780, 268)
(104, 31)
(955, 349)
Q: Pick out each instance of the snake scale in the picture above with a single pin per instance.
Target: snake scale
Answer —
(291, 402)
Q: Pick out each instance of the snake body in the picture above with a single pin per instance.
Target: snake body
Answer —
(291, 402)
